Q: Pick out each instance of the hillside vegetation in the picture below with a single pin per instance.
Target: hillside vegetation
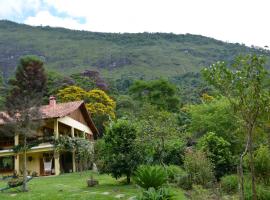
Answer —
(148, 55)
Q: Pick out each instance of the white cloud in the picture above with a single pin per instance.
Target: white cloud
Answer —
(45, 18)
(17, 8)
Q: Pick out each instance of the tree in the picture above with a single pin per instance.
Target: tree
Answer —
(218, 117)
(242, 84)
(157, 128)
(218, 151)
(98, 103)
(160, 93)
(23, 101)
(121, 155)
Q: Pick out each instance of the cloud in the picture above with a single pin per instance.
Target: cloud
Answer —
(45, 18)
(17, 8)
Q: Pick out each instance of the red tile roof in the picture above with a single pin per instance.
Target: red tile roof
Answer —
(61, 110)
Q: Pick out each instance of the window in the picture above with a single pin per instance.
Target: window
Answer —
(6, 163)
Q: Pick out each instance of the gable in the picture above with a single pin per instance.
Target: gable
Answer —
(78, 116)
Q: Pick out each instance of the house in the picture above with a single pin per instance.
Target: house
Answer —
(69, 119)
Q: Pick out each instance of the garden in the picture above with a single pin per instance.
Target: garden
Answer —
(152, 144)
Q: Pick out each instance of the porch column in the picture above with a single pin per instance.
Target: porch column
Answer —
(56, 154)
(56, 163)
(73, 153)
(16, 157)
(55, 127)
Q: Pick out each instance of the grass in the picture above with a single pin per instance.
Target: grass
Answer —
(73, 186)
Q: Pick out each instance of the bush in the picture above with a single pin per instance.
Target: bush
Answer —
(263, 193)
(229, 184)
(178, 176)
(184, 182)
(121, 156)
(173, 172)
(15, 182)
(150, 176)
(174, 152)
(156, 194)
(199, 168)
(218, 151)
(262, 163)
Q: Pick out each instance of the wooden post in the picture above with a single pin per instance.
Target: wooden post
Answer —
(55, 127)
(16, 157)
(73, 153)
(56, 154)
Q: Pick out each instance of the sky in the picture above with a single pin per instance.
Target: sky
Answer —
(242, 21)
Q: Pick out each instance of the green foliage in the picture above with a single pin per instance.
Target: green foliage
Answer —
(173, 151)
(261, 163)
(156, 194)
(30, 82)
(243, 84)
(199, 168)
(147, 176)
(83, 149)
(215, 116)
(121, 156)
(229, 183)
(157, 129)
(174, 172)
(160, 93)
(178, 176)
(263, 192)
(114, 54)
(218, 151)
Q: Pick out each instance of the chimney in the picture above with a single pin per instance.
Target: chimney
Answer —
(52, 101)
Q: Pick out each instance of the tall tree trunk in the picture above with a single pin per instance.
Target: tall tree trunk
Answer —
(24, 187)
(251, 163)
(240, 171)
(128, 178)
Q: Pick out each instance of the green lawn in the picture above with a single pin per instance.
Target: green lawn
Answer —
(73, 186)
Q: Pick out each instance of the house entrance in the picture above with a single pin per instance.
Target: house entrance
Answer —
(66, 162)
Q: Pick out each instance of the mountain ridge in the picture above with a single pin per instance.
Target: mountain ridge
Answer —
(148, 55)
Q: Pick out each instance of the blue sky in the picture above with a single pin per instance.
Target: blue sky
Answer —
(243, 21)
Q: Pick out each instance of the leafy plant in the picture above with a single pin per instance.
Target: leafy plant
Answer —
(173, 172)
(199, 168)
(148, 176)
(229, 183)
(156, 194)
(218, 151)
(261, 163)
(120, 154)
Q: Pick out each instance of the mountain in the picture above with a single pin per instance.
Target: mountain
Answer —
(147, 55)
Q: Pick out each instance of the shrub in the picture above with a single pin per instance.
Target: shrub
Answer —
(229, 183)
(218, 151)
(199, 168)
(15, 182)
(34, 174)
(179, 176)
(174, 152)
(173, 172)
(262, 163)
(120, 155)
(156, 194)
(184, 182)
(263, 193)
(150, 176)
